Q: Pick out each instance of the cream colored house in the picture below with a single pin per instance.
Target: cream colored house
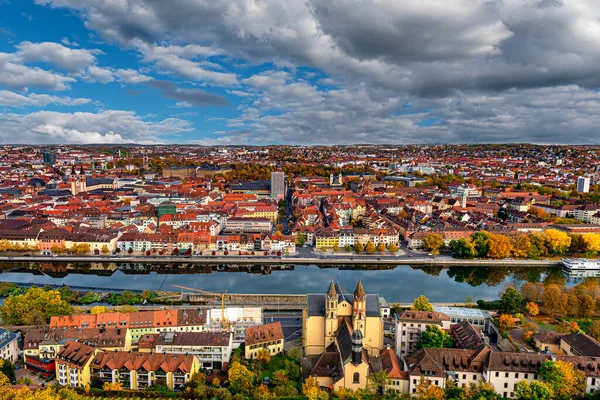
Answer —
(138, 371)
(269, 337)
(73, 364)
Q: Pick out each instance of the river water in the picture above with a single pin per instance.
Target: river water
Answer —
(395, 283)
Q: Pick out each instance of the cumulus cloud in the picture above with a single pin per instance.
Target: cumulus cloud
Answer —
(15, 75)
(65, 58)
(12, 99)
(111, 126)
(390, 71)
(132, 76)
(99, 74)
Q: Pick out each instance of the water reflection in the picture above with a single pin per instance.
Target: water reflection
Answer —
(395, 283)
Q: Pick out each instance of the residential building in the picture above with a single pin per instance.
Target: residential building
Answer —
(409, 326)
(278, 185)
(73, 364)
(9, 345)
(583, 184)
(138, 371)
(213, 349)
(269, 337)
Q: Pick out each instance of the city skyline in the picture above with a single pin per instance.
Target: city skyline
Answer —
(298, 72)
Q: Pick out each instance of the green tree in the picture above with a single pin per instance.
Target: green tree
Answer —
(565, 381)
(510, 303)
(422, 303)
(481, 242)
(377, 381)
(462, 248)
(534, 390)
(33, 307)
(434, 336)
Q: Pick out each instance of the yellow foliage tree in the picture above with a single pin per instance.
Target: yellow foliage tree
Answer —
(310, 388)
(433, 242)
(532, 308)
(98, 310)
(263, 356)
(556, 241)
(592, 242)
(241, 380)
(112, 387)
(500, 246)
(427, 390)
(505, 321)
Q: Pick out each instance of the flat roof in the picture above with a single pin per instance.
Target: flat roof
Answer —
(462, 312)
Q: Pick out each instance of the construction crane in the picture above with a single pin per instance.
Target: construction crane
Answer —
(222, 295)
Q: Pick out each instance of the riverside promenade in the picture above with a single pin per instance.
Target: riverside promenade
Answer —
(273, 260)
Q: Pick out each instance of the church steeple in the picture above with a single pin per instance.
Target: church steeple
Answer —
(331, 314)
(359, 292)
(359, 308)
(331, 293)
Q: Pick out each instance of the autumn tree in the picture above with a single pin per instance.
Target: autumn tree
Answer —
(552, 300)
(505, 321)
(433, 242)
(594, 329)
(521, 246)
(34, 307)
(592, 242)
(264, 356)
(310, 388)
(105, 249)
(358, 247)
(565, 381)
(557, 242)
(98, 310)
(586, 305)
(392, 248)
(381, 247)
(500, 246)
(532, 308)
(534, 390)
(422, 303)
(532, 291)
(370, 248)
(426, 390)
(434, 336)
(241, 379)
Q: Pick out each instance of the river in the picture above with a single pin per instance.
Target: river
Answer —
(395, 283)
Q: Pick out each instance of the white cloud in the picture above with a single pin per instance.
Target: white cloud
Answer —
(12, 99)
(71, 60)
(98, 74)
(111, 126)
(179, 60)
(132, 76)
(17, 76)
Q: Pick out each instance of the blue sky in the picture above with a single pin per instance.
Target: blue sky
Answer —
(299, 72)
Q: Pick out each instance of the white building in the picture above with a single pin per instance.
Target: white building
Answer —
(583, 184)
(9, 345)
(409, 326)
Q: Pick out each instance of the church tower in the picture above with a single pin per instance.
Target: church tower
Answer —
(359, 308)
(357, 347)
(331, 317)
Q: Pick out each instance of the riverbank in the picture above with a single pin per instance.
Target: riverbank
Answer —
(357, 260)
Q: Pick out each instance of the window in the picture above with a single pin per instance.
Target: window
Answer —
(497, 374)
(505, 385)
(526, 376)
(464, 376)
(356, 377)
(474, 377)
(517, 375)
(506, 375)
